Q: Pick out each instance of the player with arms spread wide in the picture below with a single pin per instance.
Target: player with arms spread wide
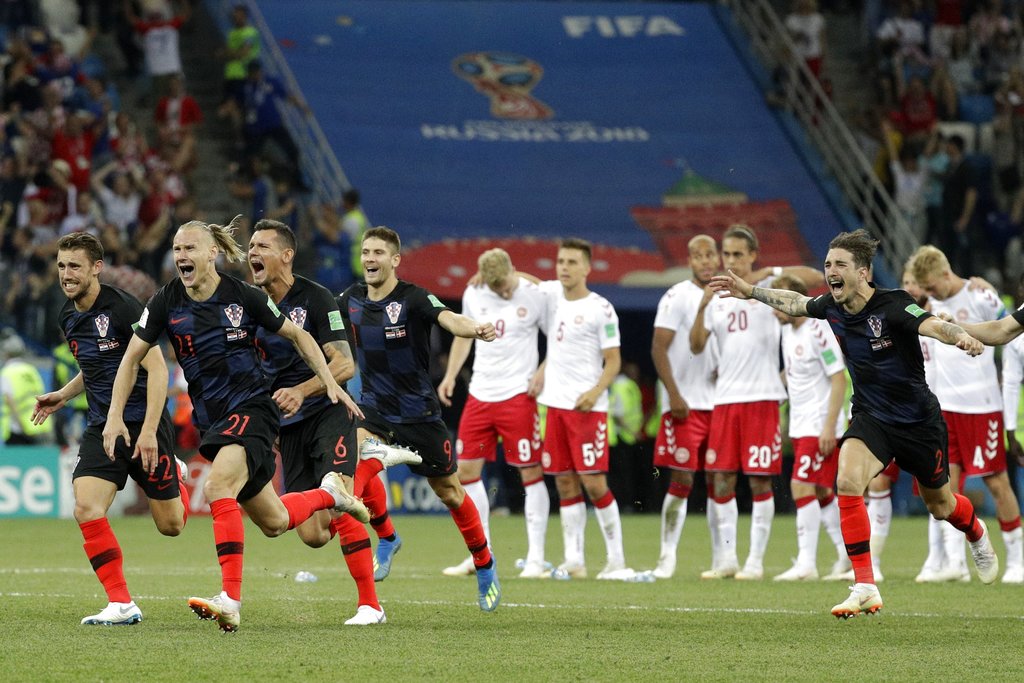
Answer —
(211, 319)
(895, 416)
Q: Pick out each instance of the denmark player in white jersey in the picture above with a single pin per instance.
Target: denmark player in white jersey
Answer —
(686, 395)
(500, 404)
(971, 400)
(816, 382)
(582, 360)
(745, 420)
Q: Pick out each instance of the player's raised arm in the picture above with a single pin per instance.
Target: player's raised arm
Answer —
(462, 326)
(787, 301)
(699, 333)
(314, 358)
(124, 381)
(956, 335)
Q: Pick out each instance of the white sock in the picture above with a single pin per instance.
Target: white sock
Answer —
(936, 545)
(673, 516)
(761, 516)
(880, 512)
(954, 542)
(830, 520)
(536, 510)
(574, 525)
(808, 522)
(611, 529)
(728, 518)
(714, 519)
(478, 494)
(1014, 542)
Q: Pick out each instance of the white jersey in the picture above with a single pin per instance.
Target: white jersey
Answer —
(746, 334)
(503, 368)
(694, 374)
(1013, 375)
(928, 353)
(578, 332)
(812, 356)
(964, 384)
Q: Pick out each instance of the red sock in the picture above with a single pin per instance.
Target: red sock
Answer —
(964, 519)
(104, 554)
(355, 546)
(679, 490)
(762, 497)
(229, 535)
(605, 500)
(806, 500)
(825, 502)
(722, 500)
(185, 499)
(302, 504)
(467, 518)
(1010, 525)
(856, 526)
(366, 472)
(566, 502)
(375, 497)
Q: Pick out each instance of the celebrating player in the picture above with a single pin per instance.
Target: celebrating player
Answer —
(391, 321)
(499, 403)
(745, 421)
(895, 416)
(211, 318)
(316, 436)
(97, 323)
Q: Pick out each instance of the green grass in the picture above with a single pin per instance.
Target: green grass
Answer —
(680, 629)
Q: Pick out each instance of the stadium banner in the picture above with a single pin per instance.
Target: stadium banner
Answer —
(35, 481)
(410, 494)
(464, 123)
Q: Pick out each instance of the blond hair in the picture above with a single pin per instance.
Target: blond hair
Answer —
(222, 235)
(928, 262)
(495, 265)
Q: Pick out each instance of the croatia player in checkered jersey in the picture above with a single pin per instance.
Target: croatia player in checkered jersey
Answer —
(500, 403)
(745, 420)
(686, 396)
(582, 360)
(971, 401)
(816, 382)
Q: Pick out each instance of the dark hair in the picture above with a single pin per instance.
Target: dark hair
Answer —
(284, 233)
(84, 241)
(859, 243)
(957, 141)
(351, 197)
(387, 234)
(577, 243)
(743, 232)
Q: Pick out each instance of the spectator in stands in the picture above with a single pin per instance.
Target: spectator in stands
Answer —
(917, 114)
(177, 117)
(806, 27)
(333, 249)
(74, 144)
(987, 21)
(959, 199)
(936, 161)
(36, 299)
(354, 223)
(160, 41)
(910, 179)
(947, 20)
(243, 46)
(121, 201)
(1002, 55)
(87, 216)
(262, 120)
(1007, 132)
(902, 36)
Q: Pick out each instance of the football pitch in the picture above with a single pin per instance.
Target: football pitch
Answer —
(581, 630)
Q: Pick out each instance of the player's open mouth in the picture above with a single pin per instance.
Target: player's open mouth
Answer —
(69, 284)
(257, 267)
(186, 269)
(370, 270)
(836, 286)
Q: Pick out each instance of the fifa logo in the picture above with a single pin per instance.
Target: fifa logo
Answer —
(506, 79)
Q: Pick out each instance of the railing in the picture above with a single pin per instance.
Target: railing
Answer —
(320, 166)
(803, 97)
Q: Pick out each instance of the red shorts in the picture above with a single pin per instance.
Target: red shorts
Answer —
(745, 436)
(681, 444)
(810, 466)
(575, 442)
(976, 443)
(515, 420)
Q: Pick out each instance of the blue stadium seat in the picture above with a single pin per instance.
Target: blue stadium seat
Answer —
(977, 109)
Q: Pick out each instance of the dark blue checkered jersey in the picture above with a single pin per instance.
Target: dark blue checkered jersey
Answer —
(215, 341)
(392, 343)
(313, 308)
(98, 339)
(883, 353)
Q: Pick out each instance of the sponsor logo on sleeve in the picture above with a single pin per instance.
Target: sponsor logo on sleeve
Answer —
(272, 306)
(144, 318)
(914, 310)
(334, 319)
(609, 330)
(829, 356)
(435, 301)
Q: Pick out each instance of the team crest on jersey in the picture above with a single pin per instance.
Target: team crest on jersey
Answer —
(682, 455)
(799, 350)
(234, 313)
(298, 316)
(875, 323)
(393, 309)
(578, 320)
(521, 311)
(102, 324)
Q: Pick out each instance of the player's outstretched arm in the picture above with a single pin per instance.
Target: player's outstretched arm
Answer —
(156, 402)
(462, 326)
(456, 359)
(314, 357)
(994, 332)
(124, 380)
(50, 402)
(953, 334)
(787, 301)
